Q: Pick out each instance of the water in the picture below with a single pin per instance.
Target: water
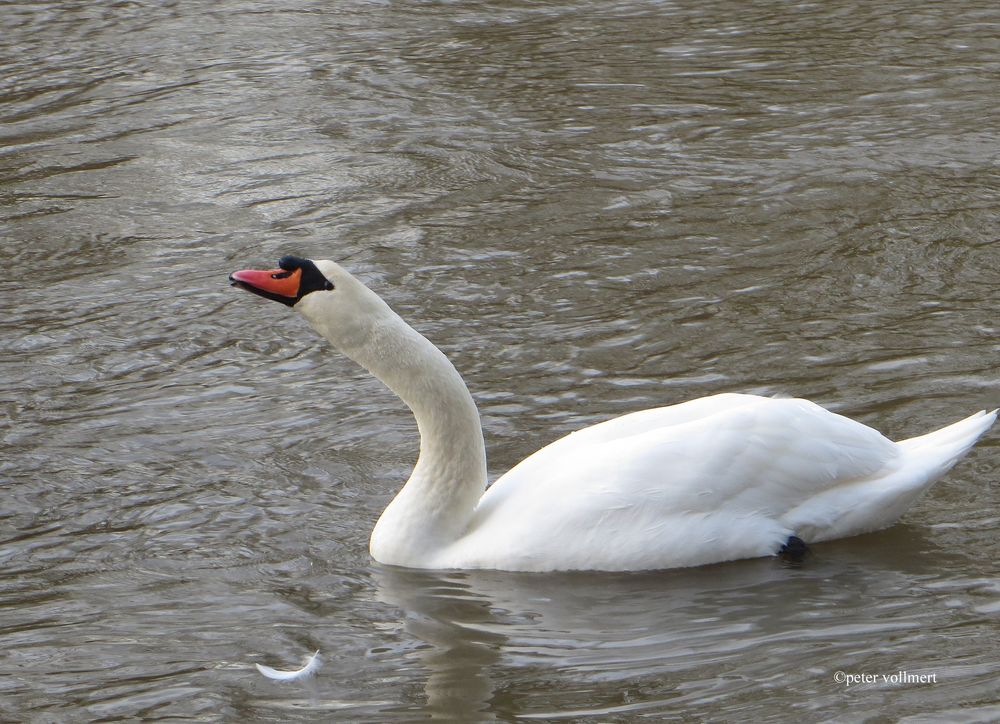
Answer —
(592, 208)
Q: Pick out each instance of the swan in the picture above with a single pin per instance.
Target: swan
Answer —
(719, 478)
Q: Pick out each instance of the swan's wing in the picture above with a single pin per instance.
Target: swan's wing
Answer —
(715, 448)
(655, 418)
(589, 439)
(723, 468)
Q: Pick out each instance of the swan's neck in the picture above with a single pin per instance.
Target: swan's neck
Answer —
(436, 503)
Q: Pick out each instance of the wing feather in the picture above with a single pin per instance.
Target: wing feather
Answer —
(730, 452)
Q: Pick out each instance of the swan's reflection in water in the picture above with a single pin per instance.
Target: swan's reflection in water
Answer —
(458, 626)
(499, 645)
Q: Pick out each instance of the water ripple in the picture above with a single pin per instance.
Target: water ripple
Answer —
(591, 208)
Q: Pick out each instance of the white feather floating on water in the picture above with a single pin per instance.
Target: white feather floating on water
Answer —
(312, 665)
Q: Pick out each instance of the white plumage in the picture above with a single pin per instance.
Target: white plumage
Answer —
(311, 667)
(720, 478)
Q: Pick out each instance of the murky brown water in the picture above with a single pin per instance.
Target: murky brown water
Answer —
(592, 207)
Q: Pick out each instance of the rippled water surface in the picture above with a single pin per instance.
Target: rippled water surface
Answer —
(592, 207)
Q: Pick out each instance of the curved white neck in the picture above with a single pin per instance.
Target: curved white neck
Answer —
(437, 502)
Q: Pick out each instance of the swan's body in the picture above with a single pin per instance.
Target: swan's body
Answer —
(720, 478)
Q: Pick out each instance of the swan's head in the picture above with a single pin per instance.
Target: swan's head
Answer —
(289, 284)
(337, 305)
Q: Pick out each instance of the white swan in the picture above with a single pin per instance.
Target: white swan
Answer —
(723, 477)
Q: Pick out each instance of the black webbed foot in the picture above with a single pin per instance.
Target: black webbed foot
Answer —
(794, 550)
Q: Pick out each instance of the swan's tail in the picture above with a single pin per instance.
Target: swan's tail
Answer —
(943, 448)
(877, 503)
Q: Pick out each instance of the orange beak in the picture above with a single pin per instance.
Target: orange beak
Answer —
(276, 284)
